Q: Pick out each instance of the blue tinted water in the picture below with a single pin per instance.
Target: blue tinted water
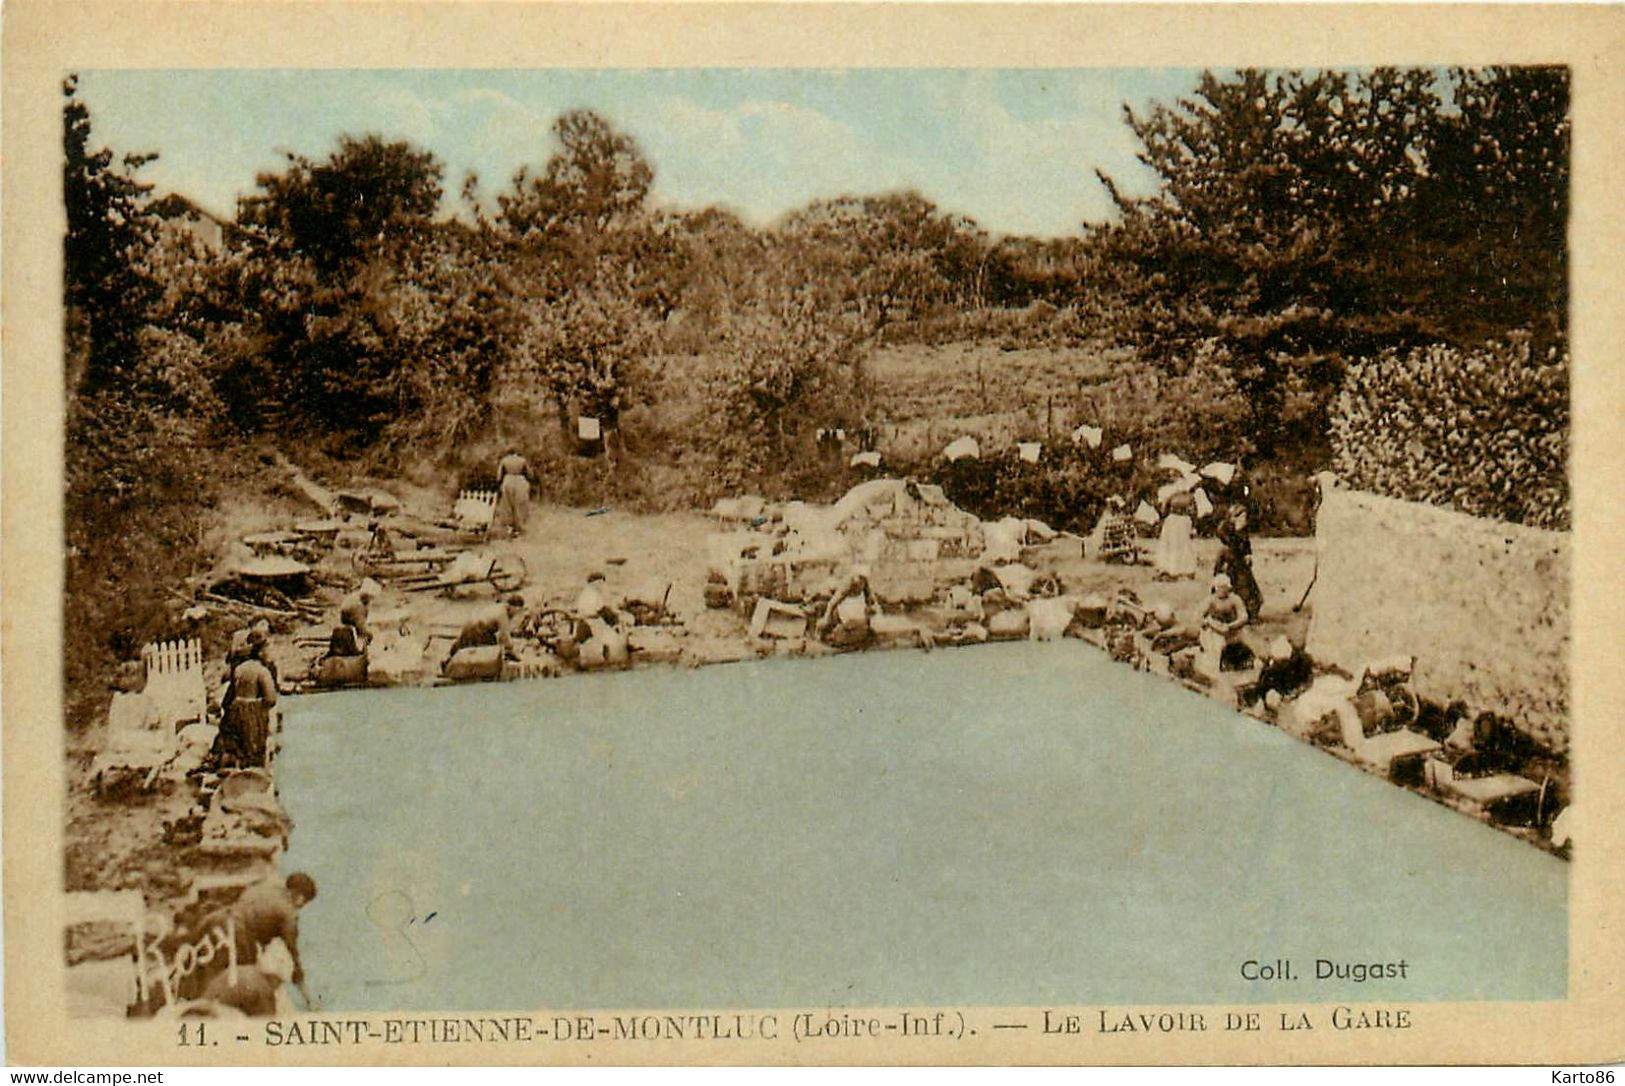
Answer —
(1006, 825)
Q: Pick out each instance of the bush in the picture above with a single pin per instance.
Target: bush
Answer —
(1066, 489)
(785, 370)
(140, 487)
(1483, 432)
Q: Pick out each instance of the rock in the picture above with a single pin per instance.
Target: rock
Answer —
(475, 662)
(1009, 624)
(894, 629)
(653, 645)
(896, 586)
(1048, 619)
(1091, 611)
(384, 503)
(1374, 710)
(341, 671)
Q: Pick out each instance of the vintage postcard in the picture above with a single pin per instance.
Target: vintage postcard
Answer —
(809, 534)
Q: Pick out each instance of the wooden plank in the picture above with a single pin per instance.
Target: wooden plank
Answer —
(1493, 789)
(254, 608)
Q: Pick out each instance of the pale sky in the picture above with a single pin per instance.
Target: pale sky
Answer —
(1014, 149)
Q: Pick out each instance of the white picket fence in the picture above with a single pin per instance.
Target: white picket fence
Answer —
(175, 687)
(141, 727)
(475, 508)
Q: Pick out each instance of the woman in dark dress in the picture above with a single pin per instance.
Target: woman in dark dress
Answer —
(1236, 559)
(245, 721)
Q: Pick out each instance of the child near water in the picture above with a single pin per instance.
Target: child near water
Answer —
(1223, 619)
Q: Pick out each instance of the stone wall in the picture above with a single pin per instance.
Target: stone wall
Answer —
(1482, 605)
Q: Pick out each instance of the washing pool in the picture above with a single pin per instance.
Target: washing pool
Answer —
(1006, 825)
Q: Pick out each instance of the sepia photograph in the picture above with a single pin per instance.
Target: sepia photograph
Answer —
(779, 559)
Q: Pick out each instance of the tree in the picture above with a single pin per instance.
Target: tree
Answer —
(1238, 243)
(598, 179)
(324, 247)
(337, 212)
(1362, 195)
(583, 353)
(695, 267)
(590, 268)
(1305, 219)
(895, 251)
(452, 317)
(1017, 271)
(106, 292)
(1495, 207)
(191, 291)
(789, 365)
(1262, 178)
(137, 471)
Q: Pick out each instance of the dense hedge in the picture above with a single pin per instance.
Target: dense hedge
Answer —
(1066, 490)
(1483, 432)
